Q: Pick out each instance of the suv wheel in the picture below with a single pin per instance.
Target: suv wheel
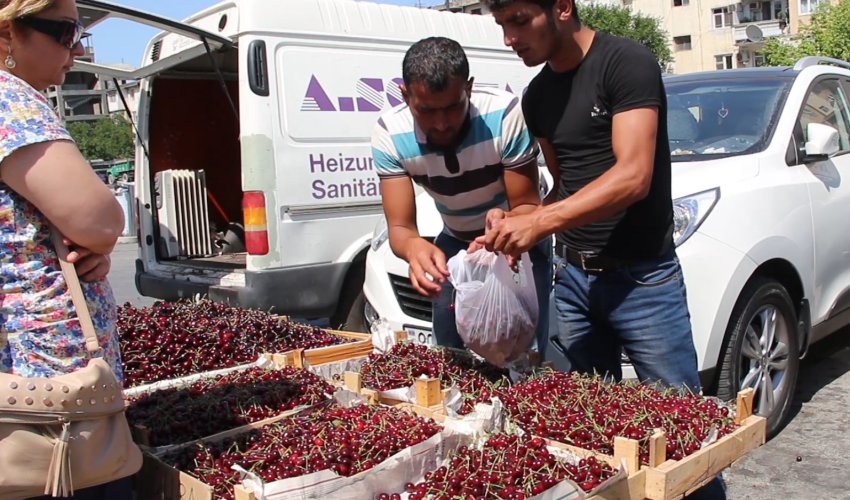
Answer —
(761, 351)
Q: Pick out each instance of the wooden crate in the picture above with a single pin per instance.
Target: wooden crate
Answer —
(668, 479)
(429, 393)
(158, 480)
(299, 358)
(141, 434)
(664, 479)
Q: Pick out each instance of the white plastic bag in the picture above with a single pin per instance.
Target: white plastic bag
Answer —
(495, 308)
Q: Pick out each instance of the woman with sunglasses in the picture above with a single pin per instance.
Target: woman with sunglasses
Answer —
(43, 177)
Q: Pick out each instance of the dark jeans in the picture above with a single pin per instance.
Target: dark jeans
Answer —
(120, 489)
(641, 308)
(442, 308)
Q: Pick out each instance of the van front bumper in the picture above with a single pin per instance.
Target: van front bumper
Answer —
(308, 291)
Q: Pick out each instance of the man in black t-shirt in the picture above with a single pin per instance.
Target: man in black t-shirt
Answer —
(598, 109)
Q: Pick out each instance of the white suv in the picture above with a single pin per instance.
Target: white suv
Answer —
(759, 169)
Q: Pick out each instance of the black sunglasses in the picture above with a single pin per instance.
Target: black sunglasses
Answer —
(67, 33)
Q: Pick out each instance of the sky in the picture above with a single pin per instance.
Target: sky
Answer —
(121, 41)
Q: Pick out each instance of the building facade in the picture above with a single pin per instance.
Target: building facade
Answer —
(84, 96)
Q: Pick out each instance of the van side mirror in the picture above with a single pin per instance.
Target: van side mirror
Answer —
(822, 143)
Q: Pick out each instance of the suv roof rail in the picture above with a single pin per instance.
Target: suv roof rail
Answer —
(807, 61)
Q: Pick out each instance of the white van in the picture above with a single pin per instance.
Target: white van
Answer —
(254, 176)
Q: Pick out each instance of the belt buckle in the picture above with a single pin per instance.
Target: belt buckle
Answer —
(585, 257)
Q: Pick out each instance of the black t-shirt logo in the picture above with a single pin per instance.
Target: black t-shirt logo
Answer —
(598, 111)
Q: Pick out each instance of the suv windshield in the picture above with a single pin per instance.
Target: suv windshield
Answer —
(716, 118)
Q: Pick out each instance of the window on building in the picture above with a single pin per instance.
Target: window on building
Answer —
(475, 11)
(682, 42)
(680, 3)
(808, 6)
(723, 61)
(722, 17)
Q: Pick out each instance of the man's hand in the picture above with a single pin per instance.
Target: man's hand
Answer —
(424, 257)
(493, 215)
(90, 266)
(511, 235)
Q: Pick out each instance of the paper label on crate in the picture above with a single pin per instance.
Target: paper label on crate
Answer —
(383, 337)
(485, 418)
(347, 398)
(403, 394)
(329, 371)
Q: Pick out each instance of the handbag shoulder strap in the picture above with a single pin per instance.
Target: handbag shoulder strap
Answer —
(73, 282)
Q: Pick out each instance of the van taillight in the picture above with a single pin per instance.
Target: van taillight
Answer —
(256, 227)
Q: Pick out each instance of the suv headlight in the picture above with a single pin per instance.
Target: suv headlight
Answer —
(690, 211)
(380, 235)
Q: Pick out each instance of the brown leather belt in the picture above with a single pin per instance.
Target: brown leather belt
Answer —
(590, 262)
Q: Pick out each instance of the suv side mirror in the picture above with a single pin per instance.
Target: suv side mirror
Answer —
(822, 143)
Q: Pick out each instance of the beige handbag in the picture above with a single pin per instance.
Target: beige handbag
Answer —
(69, 431)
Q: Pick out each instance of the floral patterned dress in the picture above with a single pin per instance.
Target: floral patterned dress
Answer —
(40, 335)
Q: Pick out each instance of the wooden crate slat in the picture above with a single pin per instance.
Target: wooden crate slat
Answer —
(630, 489)
(158, 480)
(657, 448)
(744, 405)
(628, 451)
(361, 346)
(673, 479)
(429, 393)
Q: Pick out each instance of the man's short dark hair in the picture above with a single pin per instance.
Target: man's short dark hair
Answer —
(434, 61)
(546, 5)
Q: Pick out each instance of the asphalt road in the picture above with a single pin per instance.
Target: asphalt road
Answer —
(806, 460)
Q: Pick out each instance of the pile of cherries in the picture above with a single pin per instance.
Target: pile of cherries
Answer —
(212, 405)
(507, 467)
(345, 440)
(173, 339)
(477, 380)
(588, 412)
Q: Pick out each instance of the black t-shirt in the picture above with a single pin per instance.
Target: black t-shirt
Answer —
(574, 112)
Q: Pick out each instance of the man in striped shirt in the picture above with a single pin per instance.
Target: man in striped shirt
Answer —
(471, 151)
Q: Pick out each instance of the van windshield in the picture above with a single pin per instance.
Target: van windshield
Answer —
(717, 118)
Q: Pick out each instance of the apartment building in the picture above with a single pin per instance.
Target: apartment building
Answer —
(716, 34)
(85, 96)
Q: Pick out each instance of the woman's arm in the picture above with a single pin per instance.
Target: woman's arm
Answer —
(56, 178)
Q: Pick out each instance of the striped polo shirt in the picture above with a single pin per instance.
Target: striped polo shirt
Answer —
(496, 139)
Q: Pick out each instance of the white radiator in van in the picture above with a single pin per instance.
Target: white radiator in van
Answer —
(181, 203)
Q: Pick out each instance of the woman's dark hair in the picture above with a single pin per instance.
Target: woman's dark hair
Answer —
(434, 61)
(546, 5)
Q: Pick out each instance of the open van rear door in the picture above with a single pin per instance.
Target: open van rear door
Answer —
(198, 41)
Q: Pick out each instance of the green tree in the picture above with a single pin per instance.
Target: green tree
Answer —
(619, 20)
(104, 139)
(828, 34)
